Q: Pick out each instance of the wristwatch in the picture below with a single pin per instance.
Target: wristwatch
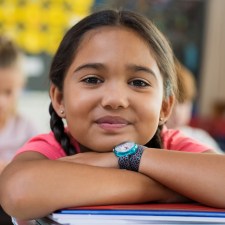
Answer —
(129, 155)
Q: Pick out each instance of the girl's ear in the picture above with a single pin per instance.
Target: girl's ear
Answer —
(167, 106)
(57, 100)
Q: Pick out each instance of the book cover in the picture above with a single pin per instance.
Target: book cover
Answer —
(141, 214)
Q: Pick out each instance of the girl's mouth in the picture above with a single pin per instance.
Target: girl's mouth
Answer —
(112, 122)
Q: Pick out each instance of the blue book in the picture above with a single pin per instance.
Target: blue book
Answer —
(140, 214)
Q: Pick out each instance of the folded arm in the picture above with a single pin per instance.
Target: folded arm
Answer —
(33, 186)
(198, 176)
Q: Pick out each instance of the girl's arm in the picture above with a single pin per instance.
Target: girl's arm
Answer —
(197, 176)
(33, 186)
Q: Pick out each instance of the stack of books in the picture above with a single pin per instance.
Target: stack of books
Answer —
(136, 214)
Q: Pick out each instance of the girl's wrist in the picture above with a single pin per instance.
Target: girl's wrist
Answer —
(113, 161)
(129, 155)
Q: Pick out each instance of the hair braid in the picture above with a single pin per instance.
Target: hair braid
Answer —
(156, 141)
(57, 127)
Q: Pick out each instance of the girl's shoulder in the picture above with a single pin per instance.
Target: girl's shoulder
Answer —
(45, 144)
(177, 140)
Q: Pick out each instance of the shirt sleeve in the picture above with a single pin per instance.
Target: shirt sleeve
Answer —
(45, 144)
(176, 140)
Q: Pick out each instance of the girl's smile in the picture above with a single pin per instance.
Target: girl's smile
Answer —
(112, 123)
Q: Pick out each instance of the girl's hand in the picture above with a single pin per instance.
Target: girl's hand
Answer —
(107, 159)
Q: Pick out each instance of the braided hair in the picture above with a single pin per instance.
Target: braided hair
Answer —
(67, 50)
(57, 126)
(156, 141)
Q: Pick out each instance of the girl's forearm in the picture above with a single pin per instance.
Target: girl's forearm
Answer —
(199, 177)
(31, 189)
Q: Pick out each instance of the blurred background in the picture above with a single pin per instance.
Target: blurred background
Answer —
(195, 28)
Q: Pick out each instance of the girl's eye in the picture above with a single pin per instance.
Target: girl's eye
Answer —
(139, 83)
(92, 80)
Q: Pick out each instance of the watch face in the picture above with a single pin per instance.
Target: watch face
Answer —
(125, 147)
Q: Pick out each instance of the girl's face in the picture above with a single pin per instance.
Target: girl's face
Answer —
(10, 86)
(113, 90)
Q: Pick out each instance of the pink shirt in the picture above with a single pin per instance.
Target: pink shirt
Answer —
(47, 145)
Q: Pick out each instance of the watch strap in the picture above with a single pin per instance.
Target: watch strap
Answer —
(124, 162)
(136, 158)
(131, 162)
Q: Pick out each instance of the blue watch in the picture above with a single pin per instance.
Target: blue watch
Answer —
(129, 155)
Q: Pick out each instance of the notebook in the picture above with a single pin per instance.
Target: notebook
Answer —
(139, 214)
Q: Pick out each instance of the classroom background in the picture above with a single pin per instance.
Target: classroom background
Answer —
(195, 28)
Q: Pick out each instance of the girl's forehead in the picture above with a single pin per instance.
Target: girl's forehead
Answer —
(113, 42)
(109, 31)
(121, 41)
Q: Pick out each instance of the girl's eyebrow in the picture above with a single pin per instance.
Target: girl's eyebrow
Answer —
(137, 68)
(131, 67)
(90, 66)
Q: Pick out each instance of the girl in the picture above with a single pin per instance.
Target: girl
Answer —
(15, 129)
(112, 81)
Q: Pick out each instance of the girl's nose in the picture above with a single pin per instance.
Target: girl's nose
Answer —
(115, 97)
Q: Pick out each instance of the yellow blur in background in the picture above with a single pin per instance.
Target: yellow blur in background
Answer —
(38, 25)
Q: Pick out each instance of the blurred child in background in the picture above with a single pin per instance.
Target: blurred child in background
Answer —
(15, 129)
(182, 111)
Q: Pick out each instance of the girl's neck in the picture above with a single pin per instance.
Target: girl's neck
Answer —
(84, 149)
(74, 142)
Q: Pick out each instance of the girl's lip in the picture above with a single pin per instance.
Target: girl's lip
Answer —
(112, 123)
(113, 120)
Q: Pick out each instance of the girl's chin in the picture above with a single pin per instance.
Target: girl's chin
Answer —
(101, 147)
(107, 143)
(98, 148)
